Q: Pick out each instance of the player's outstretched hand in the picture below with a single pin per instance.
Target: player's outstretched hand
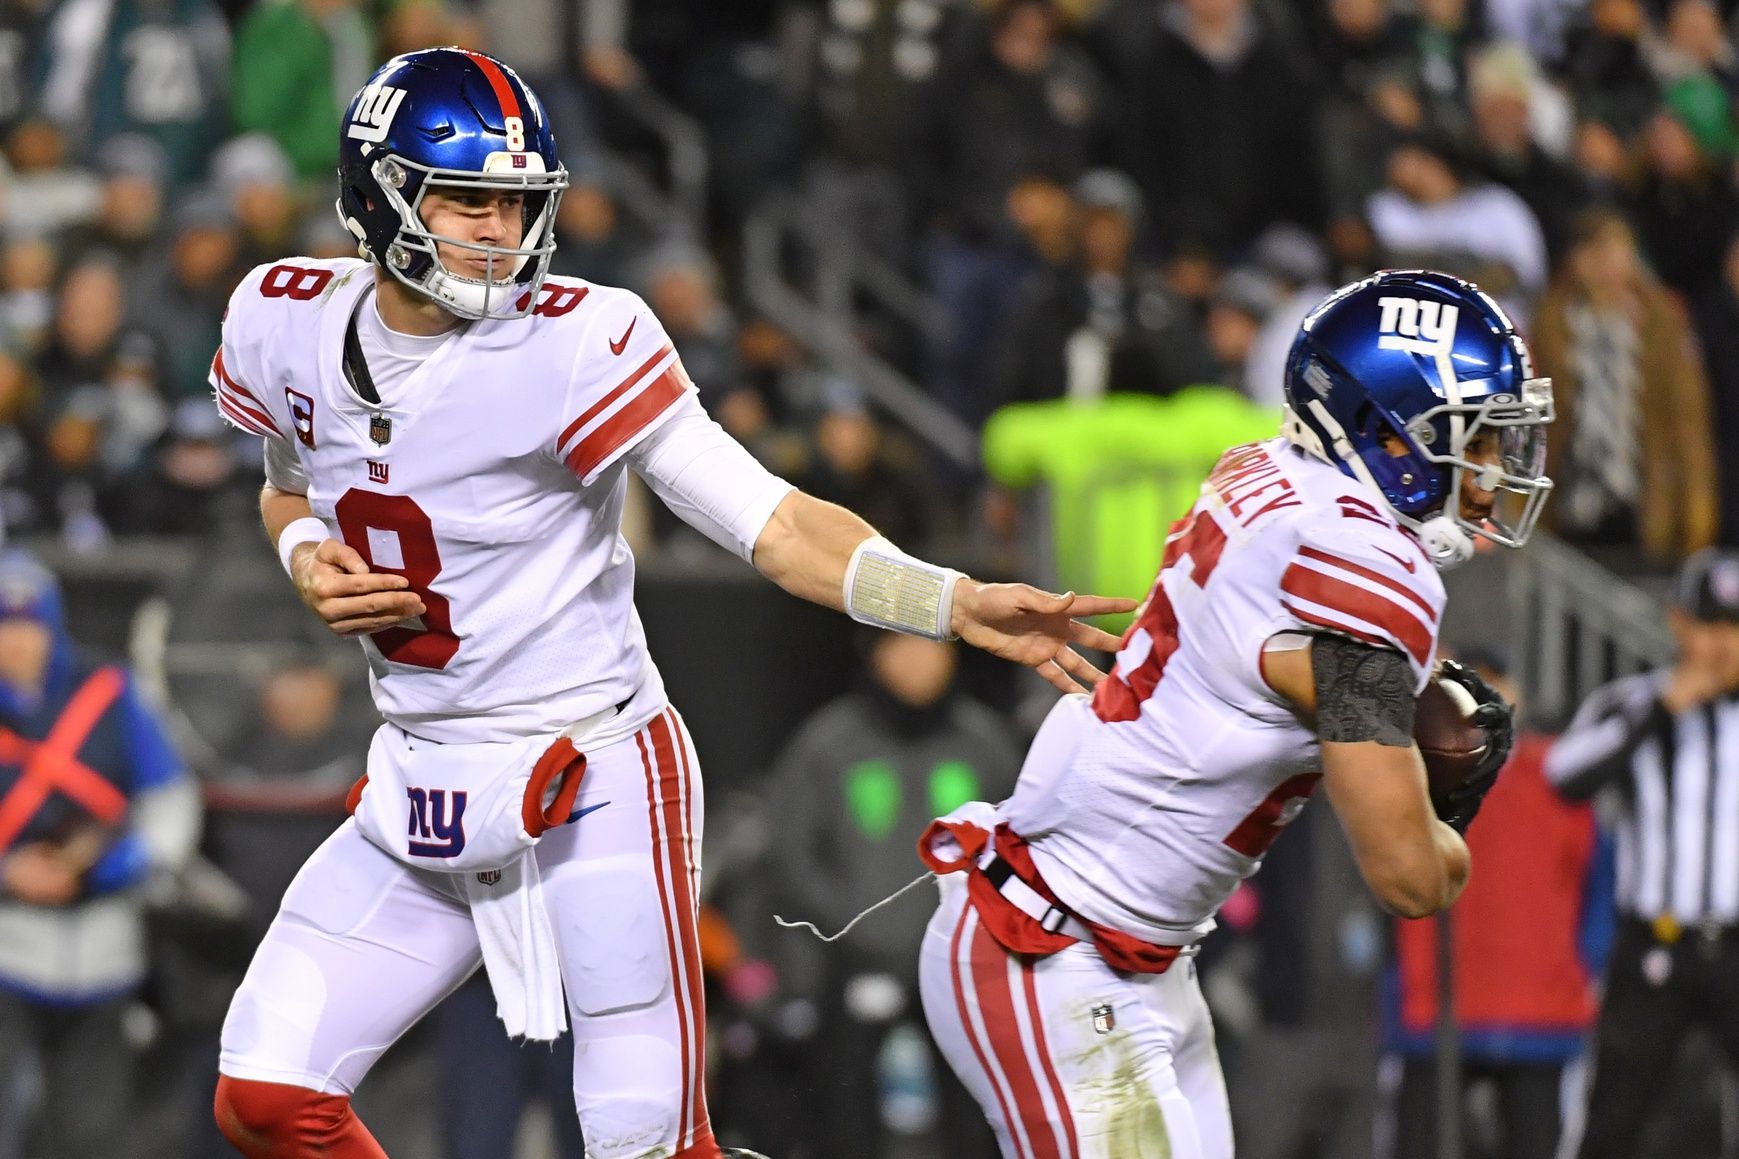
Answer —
(1036, 628)
(335, 582)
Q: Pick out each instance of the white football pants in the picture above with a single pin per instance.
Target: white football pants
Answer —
(363, 946)
(1069, 1058)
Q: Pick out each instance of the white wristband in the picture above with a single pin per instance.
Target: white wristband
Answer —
(890, 589)
(304, 530)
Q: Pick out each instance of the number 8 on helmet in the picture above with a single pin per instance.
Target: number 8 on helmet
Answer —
(457, 120)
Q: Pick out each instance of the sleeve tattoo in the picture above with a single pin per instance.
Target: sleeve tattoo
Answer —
(1362, 693)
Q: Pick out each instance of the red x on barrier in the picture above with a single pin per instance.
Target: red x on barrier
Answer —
(52, 763)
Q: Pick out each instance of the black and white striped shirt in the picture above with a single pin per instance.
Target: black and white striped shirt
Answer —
(1674, 786)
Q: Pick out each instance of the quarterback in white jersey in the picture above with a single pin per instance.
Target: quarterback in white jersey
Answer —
(447, 436)
(1292, 624)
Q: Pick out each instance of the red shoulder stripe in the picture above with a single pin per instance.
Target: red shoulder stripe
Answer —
(598, 407)
(1360, 604)
(626, 423)
(243, 419)
(224, 376)
(1374, 576)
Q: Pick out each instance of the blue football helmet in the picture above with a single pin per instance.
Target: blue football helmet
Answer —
(450, 119)
(1434, 362)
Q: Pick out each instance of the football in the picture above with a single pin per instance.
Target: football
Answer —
(1450, 742)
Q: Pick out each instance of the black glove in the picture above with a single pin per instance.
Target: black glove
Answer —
(1495, 716)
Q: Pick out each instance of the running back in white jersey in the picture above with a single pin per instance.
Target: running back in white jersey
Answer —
(491, 479)
(1146, 805)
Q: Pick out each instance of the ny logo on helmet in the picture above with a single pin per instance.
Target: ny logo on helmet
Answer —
(1416, 326)
(376, 106)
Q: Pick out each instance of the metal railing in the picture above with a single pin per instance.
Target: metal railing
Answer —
(1578, 626)
(682, 203)
(778, 237)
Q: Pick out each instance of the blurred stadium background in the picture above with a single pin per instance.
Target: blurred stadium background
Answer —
(1004, 277)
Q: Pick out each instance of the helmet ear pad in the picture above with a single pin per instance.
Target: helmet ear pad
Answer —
(1409, 480)
(378, 217)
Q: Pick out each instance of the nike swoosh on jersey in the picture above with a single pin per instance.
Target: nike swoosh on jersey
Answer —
(578, 813)
(1409, 564)
(620, 344)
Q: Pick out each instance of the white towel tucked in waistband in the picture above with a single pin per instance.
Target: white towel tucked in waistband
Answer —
(477, 811)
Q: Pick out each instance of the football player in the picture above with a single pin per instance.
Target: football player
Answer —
(448, 433)
(1291, 626)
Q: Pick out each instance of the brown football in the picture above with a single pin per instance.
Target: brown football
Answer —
(1450, 742)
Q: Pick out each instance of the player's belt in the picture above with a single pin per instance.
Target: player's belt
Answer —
(1029, 901)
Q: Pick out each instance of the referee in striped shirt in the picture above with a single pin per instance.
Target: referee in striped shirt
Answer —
(1665, 746)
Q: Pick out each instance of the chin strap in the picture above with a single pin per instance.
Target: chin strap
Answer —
(1444, 540)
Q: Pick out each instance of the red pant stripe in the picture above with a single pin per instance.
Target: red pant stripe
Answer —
(685, 751)
(967, 914)
(1044, 1052)
(990, 964)
(661, 851)
(668, 743)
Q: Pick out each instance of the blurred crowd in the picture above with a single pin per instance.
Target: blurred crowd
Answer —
(1111, 216)
(1086, 197)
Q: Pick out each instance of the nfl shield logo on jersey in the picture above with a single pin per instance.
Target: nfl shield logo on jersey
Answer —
(489, 876)
(380, 430)
(1104, 1018)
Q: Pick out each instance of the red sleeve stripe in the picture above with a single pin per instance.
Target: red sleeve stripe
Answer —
(243, 419)
(1348, 601)
(596, 448)
(259, 417)
(1344, 628)
(602, 404)
(1374, 576)
(497, 81)
(224, 377)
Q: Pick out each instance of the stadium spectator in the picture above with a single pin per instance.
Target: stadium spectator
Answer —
(1685, 196)
(593, 239)
(155, 67)
(1502, 84)
(297, 64)
(1106, 322)
(1026, 101)
(180, 300)
(1717, 316)
(856, 464)
(46, 191)
(192, 471)
(1606, 66)
(20, 32)
(252, 173)
(1243, 302)
(1217, 126)
(135, 175)
(682, 287)
(1430, 215)
(298, 728)
(1618, 346)
(28, 266)
(1298, 263)
(854, 786)
(72, 933)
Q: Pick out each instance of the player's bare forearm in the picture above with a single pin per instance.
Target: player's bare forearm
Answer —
(807, 545)
(1413, 863)
(332, 579)
(279, 509)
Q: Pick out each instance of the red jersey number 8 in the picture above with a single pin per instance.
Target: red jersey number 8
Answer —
(398, 516)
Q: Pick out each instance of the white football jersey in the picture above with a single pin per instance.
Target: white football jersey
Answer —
(491, 478)
(1147, 804)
